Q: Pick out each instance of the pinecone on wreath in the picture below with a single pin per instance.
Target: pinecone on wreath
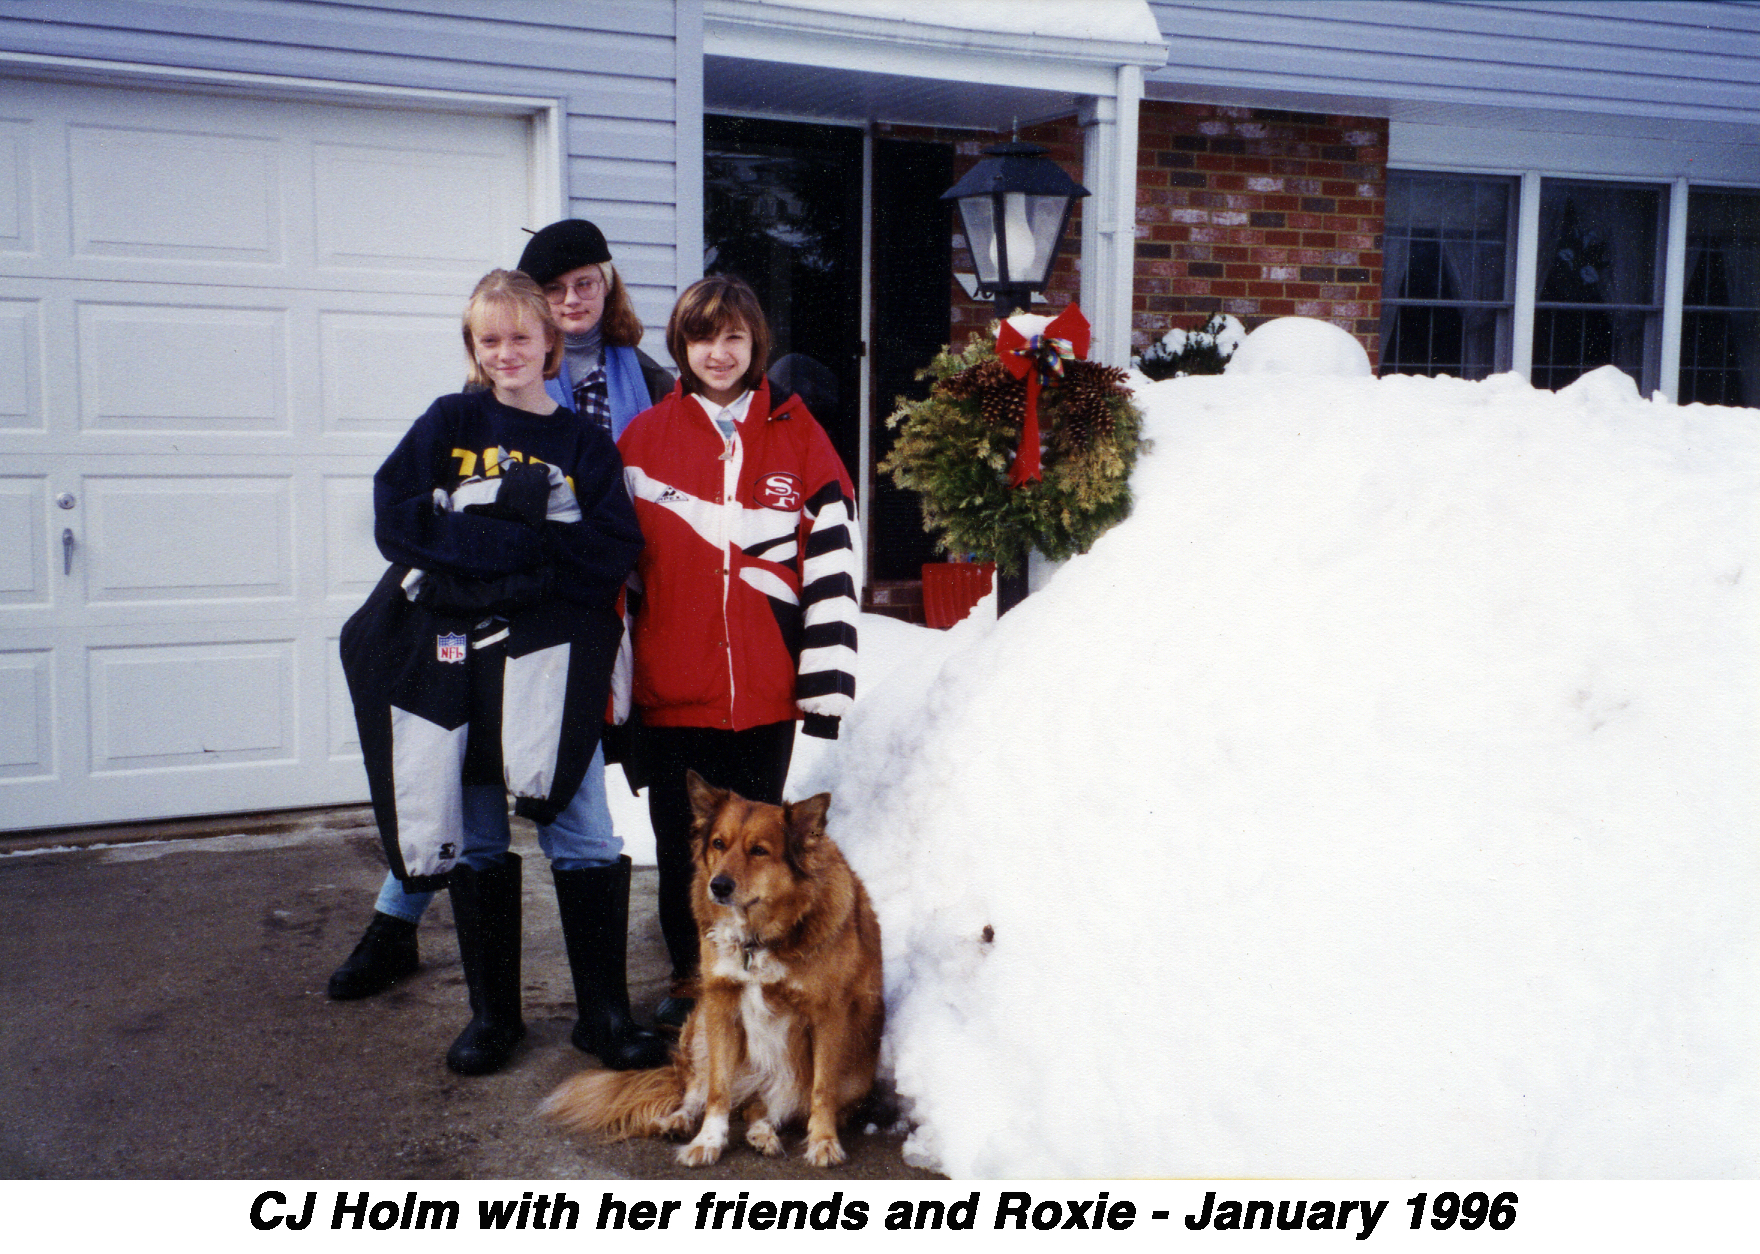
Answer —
(954, 450)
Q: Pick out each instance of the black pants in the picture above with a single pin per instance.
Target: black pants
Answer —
(752, 763)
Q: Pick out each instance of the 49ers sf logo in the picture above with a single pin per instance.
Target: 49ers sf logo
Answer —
(780, 490)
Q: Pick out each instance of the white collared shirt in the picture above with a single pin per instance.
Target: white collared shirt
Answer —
(725, 417)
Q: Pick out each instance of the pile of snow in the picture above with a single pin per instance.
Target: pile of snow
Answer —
(1301, 346)
(1379, 800)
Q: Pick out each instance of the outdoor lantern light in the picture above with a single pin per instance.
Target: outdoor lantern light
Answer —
(1014, 205)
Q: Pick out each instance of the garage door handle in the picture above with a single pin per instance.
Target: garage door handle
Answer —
(67, 551)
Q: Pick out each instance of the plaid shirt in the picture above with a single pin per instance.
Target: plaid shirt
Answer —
(592, 398)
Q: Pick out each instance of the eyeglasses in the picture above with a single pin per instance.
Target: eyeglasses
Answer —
(586, 289)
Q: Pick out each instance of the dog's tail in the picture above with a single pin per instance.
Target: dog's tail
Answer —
(618, 1104)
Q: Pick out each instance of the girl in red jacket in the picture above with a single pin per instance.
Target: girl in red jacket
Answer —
(744, 599)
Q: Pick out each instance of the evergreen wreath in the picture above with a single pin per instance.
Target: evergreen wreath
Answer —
(954, 449)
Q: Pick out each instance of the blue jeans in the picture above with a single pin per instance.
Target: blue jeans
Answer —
(581, 837)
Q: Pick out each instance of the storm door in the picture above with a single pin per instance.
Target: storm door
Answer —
(912, 250)
(782, 209)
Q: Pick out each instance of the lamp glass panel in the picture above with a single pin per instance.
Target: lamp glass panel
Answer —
(1045, 216)
(978, 216)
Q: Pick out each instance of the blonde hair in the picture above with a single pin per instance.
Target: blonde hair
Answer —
(511, 292)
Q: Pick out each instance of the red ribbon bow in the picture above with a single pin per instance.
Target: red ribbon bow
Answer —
(1039, 361)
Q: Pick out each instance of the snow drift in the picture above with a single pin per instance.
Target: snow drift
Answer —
(1379, 800)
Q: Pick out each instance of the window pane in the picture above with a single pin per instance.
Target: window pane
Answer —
(1723, 249)
(1720, 330)
(1568, 343)
(1435, 340)
(1599, 281)
(1447, 286)
(1598, 244)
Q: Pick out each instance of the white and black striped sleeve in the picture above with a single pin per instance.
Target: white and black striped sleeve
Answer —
(831, 579)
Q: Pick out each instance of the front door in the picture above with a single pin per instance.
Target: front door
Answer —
(782, 209)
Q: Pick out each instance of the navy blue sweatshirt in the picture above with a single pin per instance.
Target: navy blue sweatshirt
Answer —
(457, 440)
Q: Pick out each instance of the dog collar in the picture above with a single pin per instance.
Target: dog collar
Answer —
(747, 948)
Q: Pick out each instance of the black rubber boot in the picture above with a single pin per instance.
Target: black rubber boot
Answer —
(386, 953)
(486, 906)
(678, 925)
(673, 1010)
(594, 907)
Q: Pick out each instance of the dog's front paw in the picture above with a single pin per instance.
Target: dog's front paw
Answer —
(827, 1152)
(700, 1153)
(762, 1136)
(676, 1124)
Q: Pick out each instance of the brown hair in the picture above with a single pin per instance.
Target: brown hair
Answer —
(514, 293)
(706, 309)
(619, 326)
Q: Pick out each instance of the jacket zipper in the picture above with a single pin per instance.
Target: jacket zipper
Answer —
(732, 457)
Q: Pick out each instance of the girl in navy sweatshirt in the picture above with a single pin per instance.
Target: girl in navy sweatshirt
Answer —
(508, 524)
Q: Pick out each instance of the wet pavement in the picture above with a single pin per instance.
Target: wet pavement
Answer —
(165, 1017)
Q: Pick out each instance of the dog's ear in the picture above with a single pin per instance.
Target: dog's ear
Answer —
(705, 798)
(806, 826)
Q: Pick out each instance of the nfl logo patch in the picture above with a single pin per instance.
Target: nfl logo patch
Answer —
(449, 648)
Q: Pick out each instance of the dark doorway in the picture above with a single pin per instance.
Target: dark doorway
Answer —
(912, 284)
(782, 209)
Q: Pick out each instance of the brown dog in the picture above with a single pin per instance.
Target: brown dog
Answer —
(789, 1018)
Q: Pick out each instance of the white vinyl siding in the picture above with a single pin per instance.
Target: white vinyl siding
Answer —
(1694, 61)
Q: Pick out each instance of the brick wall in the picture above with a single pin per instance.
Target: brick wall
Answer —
(1255, 212)
(1261, 214)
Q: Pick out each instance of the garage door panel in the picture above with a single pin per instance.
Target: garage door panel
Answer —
(24, 565)
(380, 208)
(17, 207)
(343, 737)
(27, 745)
(187, 196)
(169, 539)
(161, 707)
(352, 562)
(178, 368)
(21, 397)
(354, 348)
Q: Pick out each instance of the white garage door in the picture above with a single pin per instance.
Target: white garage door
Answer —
(216, 316)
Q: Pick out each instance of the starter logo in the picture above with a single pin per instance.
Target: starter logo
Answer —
(449, 648)
(780, 491)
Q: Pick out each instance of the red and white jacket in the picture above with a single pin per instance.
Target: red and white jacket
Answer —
(744, 599)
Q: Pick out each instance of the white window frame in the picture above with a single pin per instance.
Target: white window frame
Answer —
(1527, 253)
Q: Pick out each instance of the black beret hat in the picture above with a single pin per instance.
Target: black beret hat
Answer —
(561, 247)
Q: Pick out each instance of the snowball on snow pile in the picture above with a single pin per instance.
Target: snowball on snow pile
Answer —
(1378, 800)
(1301, 346)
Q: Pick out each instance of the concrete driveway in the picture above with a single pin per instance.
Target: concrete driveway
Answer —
(164, 1017)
